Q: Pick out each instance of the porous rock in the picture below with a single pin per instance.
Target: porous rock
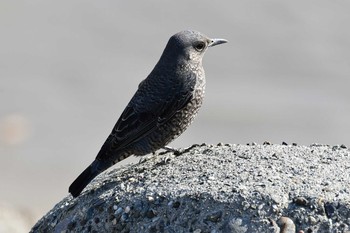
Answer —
(222, 188)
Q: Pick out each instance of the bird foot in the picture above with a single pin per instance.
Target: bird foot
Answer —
(171, 149)
(146, 158)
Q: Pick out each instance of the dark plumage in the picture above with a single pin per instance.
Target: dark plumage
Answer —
(164, 105)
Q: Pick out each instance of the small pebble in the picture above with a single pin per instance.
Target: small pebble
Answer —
(286, 224)
(301, 201)
(214, 217)
(124, 217)
(330, 209)
(132, 179)
(151, 213)
(118, 211)
(275, 208)
(176, 204)
(312, 220)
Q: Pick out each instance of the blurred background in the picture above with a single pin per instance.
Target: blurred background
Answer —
(68, 69)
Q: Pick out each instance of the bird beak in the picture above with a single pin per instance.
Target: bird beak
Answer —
(214, 42)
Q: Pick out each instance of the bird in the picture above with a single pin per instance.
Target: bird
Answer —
(164, 105)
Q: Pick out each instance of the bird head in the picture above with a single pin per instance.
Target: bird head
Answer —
(190, 45)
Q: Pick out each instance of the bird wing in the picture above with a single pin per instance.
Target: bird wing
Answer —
(135, 122)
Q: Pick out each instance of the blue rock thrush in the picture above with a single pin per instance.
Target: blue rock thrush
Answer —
(164, 105)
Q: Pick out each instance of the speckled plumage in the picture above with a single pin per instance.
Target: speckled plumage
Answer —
(164, 105)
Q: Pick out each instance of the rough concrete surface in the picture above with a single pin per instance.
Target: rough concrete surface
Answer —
(216, 188)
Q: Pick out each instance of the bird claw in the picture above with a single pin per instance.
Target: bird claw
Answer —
(171, 149)
(146, 158)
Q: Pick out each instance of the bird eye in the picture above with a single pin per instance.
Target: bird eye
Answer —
(199, 46)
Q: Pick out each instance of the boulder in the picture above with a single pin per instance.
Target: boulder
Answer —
(216, 188)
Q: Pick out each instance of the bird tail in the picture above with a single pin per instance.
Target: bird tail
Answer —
(95, 168)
